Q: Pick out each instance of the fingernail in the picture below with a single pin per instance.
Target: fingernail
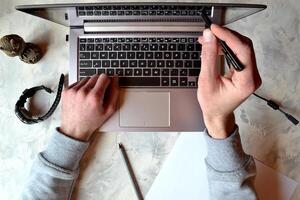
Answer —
(207, 35)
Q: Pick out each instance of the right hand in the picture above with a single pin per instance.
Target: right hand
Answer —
(85, 108)
(219, 95)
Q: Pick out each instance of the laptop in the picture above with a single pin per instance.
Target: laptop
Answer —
(151, 46)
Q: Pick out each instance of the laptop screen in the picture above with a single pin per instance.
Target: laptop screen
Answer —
(77, 14)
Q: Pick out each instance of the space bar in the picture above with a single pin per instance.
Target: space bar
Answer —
(139, 81)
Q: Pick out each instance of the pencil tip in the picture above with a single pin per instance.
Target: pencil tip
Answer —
(120, 145)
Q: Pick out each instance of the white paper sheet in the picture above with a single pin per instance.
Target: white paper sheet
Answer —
(183, 175)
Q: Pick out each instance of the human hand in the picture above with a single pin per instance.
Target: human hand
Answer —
(219, 95)
(87, 104)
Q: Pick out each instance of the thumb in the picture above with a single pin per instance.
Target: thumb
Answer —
(209, 55)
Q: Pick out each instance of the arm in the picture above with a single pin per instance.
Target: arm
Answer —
(231, 172)
(84, 110)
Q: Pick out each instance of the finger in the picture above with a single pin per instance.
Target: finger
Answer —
(113, 95)
(91, 83)
(101, 85)
(209, 55)
(79, 84)
(220, 51)
(237, 42)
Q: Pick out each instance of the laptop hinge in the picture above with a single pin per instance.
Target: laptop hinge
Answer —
(143, 27)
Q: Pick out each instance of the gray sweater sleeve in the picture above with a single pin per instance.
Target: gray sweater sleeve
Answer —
(55, 170)
(231, 171)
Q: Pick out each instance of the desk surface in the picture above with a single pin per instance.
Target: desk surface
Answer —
(265, 134)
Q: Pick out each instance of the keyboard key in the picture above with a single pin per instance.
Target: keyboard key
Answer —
(99, 47)
(169, 63)
(100, 71)
(95, 55)
(183, 72)
(137, 72)
(90, 47)
(149, 55)
(84, 55)
(176, 55)
(121, 55)
(167, 55)
(103, 55)
(158, 55)
(105, 40)
(174, 72)
(130, 55)
(128, 72)
(151, 63)
(183, 81)
(105, 63)
(135, 47)
(87, 72)
(90, 40)
(160, 63)
(142, 63)
(139, 81)
(165, 72)
(133, 63)
(108, 47)
(153, 47)
(194, 72)
(81, 13)
(85, 63)
(110, 72)
(181, 47)
(82, 40)
(187, 63)
(112, 55)
(190, 47)
(98, 40)
(140, 55)
(195, 55)
(146, 72)
(165, 81)
(82, 47)
(96, 63)
(174, 81)
(197, 63)
(198, 47)
(116, 47)
(145, 47)
(192, 83)
(124, 63)
(179, 63)
(163, 47)
(155, 72)
(185, 55)
(172, 47)
(120, 72)
(114, 63)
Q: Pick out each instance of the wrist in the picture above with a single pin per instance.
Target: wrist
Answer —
(220, 127)
(75, 134)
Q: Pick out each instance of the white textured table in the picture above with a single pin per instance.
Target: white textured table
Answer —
(265, 134)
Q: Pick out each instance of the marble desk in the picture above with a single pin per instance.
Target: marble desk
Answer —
(265, 134)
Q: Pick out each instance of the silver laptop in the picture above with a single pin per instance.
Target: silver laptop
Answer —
(151, 46)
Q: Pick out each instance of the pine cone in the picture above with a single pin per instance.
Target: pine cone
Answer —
(12, 45)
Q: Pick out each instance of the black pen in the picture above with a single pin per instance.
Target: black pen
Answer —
(230, 56)
(131, 173)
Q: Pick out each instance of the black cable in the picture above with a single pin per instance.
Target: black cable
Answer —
(275, 106)
(270, 103)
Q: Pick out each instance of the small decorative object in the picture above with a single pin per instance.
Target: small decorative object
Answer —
(31, 54)
(13, 45)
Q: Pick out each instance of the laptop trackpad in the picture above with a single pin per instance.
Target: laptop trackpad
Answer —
(144, 109)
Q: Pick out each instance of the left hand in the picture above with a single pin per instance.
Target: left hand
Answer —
(84, 108)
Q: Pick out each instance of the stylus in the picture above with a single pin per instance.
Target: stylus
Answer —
(131, 173)
(230, 56)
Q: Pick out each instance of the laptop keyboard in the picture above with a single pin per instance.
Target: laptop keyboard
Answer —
(141, 10)
(142, 61)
